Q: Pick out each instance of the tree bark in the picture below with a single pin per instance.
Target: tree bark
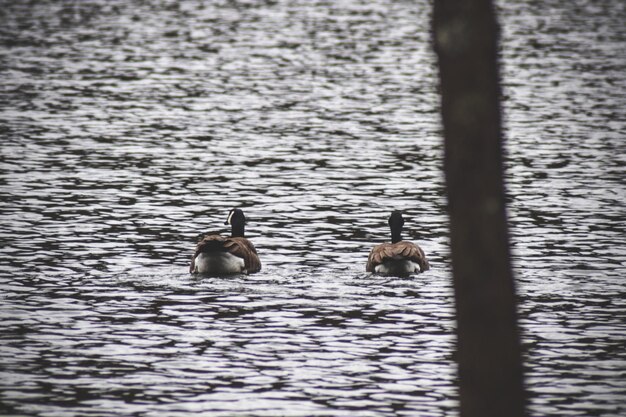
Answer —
(489, 355)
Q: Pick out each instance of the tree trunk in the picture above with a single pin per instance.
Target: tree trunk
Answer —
(489, 357)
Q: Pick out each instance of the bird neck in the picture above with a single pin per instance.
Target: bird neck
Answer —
(237, 230)
(396, 236)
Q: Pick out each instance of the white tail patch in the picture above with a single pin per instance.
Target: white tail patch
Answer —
(397, 267)
(219, 263)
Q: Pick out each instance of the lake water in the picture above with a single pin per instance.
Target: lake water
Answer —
(129, 128)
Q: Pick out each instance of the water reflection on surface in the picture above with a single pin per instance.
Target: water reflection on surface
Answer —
(127, 130)
(297, 341)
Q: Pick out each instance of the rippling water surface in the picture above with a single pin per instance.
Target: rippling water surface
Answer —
(129, 128)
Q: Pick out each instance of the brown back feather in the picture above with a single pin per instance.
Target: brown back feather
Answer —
(238, 246)
(208, 243)
(243, 248)
(396, 251)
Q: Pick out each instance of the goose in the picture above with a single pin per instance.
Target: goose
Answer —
(398, 257)
(220, 255)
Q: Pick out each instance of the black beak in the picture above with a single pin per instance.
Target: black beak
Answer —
(226, 222)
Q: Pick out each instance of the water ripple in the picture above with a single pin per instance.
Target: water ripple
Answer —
(127, 131)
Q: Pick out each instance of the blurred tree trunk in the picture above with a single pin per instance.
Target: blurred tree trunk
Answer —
(489, 355)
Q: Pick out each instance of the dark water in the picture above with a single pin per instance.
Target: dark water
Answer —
(128, 128)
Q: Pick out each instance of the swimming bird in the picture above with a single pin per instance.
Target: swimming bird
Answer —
(399, 257)
(221, 255)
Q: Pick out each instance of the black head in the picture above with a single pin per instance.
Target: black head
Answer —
(396, 221)
(237, 221)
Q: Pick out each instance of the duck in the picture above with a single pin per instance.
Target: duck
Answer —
(221, 255)
(398, 258)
